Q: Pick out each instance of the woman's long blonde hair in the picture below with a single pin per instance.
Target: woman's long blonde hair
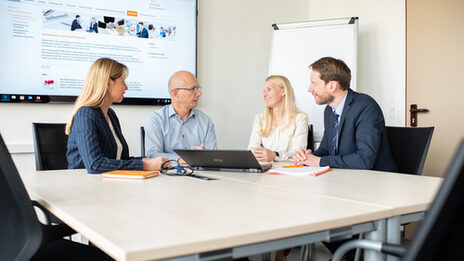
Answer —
(290, 110)
(95, 90)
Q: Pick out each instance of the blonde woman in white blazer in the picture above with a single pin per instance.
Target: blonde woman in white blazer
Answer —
(281, 130)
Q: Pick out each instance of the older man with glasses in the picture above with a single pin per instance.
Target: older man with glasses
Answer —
(179, 125)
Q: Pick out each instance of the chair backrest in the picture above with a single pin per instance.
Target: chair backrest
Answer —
(310, 144)
(50, 146)
(20, 231)
(409, 147)
(142, 141)
(439, 236)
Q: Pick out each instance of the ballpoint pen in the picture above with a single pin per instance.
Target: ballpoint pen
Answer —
(325, 171)
(294, 166)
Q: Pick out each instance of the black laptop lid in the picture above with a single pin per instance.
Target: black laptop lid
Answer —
(236, 160)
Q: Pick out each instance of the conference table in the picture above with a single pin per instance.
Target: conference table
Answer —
(236, 215)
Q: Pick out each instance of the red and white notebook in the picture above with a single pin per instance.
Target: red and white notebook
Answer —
(300, 171)
(131, 174)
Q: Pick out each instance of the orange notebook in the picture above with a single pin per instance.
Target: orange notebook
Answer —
(131, 174)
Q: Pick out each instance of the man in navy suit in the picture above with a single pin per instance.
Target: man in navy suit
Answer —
(76, 24)
(354, 126)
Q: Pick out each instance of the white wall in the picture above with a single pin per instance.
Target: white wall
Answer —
(233, 53)
(381, 49)
(234, 47)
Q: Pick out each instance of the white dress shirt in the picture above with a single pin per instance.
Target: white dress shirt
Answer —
(286, 140)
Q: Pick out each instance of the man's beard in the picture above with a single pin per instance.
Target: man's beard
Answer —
(324, 100)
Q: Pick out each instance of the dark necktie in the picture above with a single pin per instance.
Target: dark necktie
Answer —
(333, 143)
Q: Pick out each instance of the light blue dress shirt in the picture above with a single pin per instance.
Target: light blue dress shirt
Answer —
(165, 131)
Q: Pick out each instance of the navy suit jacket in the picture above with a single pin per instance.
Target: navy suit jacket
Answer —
(75, 25)
(94, 27)
(91, 143)
(362, 142)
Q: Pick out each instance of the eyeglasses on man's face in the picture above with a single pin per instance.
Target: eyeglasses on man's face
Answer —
(193, 89)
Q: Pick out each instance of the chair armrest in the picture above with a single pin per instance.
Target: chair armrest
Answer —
(45, 212)
(393, 250)
(390, 249)
(51, 233)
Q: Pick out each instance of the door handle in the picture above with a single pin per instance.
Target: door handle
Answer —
(413, 110)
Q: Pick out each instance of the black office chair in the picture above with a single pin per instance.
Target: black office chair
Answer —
(439, 236)
(50, 146)
(22, 236)
(409, 147)
(310, 144)
(142, 141)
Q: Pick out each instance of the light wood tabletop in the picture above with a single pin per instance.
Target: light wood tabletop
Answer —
(401, 192)
(167, 217)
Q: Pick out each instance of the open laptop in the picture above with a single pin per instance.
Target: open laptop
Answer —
(222, 160)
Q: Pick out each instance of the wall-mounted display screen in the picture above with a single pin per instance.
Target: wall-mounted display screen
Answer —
(47, 47)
